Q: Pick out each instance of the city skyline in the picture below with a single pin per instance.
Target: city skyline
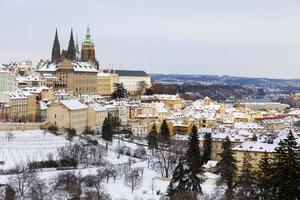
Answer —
(257, 39)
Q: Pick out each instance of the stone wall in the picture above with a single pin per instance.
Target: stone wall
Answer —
(21, 126)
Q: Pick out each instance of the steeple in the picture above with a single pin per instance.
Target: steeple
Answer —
(88, 40)
(55, 49)
(77, 49)
(88, 49)
(71, 48)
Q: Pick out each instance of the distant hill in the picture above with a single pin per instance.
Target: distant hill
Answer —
(226, 80)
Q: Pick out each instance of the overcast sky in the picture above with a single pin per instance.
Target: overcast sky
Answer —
(257, 38)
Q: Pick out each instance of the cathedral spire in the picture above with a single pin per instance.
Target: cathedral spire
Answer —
(71, 48)
(88, 39)
(77, 49)
(55, 49)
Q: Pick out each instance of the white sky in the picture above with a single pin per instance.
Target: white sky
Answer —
(258, 38)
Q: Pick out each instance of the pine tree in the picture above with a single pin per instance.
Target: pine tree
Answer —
(120, 92)
(152, 138)
(227, 168)
(246, 184)
(194, 172)
(193, 155)
(164, 131)
(107, 131)
(176, 184)
(207, 147)
(286, 173)
(264, 177)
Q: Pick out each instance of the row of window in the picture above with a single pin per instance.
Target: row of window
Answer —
(86, 89)
(85, 81)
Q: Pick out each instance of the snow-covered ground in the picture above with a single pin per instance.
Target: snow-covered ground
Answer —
(36, 145)
(31, 145)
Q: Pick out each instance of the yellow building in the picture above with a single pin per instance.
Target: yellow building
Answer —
(18, 102)
(207, 122)
(70, 114)
(216, 144)
(106, 82)
(76, 77)
(256, 151)
(32, 107)
(150, 111)
(96, 115)
(173, 102)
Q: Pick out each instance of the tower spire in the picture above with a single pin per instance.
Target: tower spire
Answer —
(88, 39)
(55, 49)
(77, 49)
(71, 48)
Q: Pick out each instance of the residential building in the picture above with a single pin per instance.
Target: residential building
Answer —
(68, 114)
(7, 81)
(96, 116)
(255, 149)
(106, 82)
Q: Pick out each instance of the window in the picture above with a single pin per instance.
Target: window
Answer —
(54, 115)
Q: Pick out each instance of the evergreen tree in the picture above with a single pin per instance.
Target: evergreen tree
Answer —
(152, 138)
(227, 168)
(193, 155)
(188, 175)
(120, 92)
(164, 131)
(107, 131)
(264, 177)
(176, 184)
(286, 173)
(207, 147)
(194, 170)
(246, 184)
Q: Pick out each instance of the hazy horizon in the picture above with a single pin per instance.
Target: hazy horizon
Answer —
(235, 38)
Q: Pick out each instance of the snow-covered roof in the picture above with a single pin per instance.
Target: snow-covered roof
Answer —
(210, 164)
(294, 112)
(43, 105)
(255, 146)
(30, 77)
(35, 89)
(73, 104)
(18, 94)
(160, 97)
(97, 107)
(77, 67)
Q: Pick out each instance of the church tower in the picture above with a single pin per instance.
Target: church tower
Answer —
(88, 49)
(55, 57)
(77, 49)
(71, 55)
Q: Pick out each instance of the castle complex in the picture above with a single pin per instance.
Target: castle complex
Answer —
(73, 53)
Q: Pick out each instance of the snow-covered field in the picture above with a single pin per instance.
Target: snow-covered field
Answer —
(31, 145)
(36, 145)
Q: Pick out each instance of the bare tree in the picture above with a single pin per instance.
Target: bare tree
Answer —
(216, 194)
(22, 181)
(38, 189)
(141, 87)
(95, 181)
(70, 183)
(133, 180)
(167, 156)
(9, 136)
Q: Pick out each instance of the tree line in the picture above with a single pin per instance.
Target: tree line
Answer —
(278, 176)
